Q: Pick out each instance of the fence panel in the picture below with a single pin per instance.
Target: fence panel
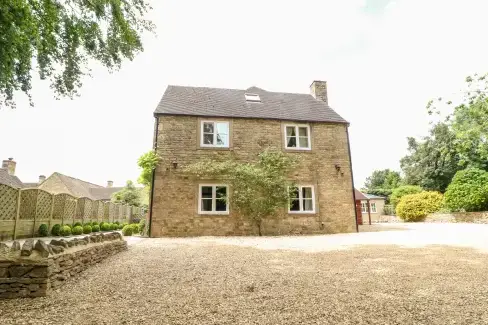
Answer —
(8, 211)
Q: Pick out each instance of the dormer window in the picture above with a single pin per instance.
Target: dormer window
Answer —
(252, 98)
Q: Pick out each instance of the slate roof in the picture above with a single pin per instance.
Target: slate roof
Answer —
(104, 193)
(218, 102)
(30, 185)
(377, 197)
(359, 196)
(75, 186)
(10, 180)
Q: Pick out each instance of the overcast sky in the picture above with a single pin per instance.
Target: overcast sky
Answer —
(382, 59)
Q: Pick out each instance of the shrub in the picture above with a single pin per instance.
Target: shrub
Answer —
(127, 230)
(77, 224)
(56, 230)
(117, 223)
(125, 224)
(87, 229)
(121, 226)
(415, 207)
(142, 226)
(65, 230)
(95, 228)
(468, 191)
(135, 228)
(43, 230)
(77, 230)
(95, 223)
(401, 191)
(105, 226)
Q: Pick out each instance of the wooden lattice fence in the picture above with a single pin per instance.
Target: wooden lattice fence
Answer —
(22, 211)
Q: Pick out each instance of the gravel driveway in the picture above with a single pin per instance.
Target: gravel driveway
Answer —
(339, 279)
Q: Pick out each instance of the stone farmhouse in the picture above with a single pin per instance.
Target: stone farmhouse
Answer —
(194, 123)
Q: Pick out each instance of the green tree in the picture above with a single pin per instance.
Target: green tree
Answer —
(401, 191)
(432, 163)
(469, 122)
(258, 189)
(382, 182)
(468, 191)
(148, 163)
(59, 37)
(129, 194)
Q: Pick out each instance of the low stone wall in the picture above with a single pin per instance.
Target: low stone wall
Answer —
(469, 217)
(34, 272)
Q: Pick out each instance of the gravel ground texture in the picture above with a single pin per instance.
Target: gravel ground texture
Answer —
(335, 279)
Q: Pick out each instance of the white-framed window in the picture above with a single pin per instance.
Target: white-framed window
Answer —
(212, 199)
(302, 199)
(364, 207)
(214, 134)
(297, 136)
(373, 207)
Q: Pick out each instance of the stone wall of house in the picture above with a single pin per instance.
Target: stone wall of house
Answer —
(175, 197)
(469, 217)
(48, 266)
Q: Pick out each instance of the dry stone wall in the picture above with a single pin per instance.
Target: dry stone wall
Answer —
(35, 268)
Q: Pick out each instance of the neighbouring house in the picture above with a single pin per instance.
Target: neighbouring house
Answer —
(58, 183)
(194, 123)
(369, 207)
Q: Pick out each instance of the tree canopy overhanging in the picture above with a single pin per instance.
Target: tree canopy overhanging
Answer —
(57, 38)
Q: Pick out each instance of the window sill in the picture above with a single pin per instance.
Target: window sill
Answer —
(298, 150)
(214, 213)
(214, 148)
(302, 212)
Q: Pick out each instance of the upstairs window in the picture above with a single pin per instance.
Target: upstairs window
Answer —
(302, 200)
(297, 137)
(214, 134)
(213, 199)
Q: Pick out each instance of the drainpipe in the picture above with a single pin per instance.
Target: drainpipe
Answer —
(153, 175)
(352, 178)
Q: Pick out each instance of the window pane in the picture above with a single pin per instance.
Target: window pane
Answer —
(295, 205)
(208, 139)
(208, 127)
(294, 193)
(206, 204)
(221, 191)
(207, 192)
(290, 131)
(307, 192)
(223, 128)
(303, 131)
(291, 142)
(307, 205)
(303, 142)
(220, 205)
(223, 140)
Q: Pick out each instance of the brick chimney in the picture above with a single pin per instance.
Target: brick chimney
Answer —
(318, 89)
(42, 178)
(9, 165)
(110, 183)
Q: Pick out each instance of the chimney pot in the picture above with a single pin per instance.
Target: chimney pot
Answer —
(318, 89)
(110, 183)
(42, 178)
(9, 165)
